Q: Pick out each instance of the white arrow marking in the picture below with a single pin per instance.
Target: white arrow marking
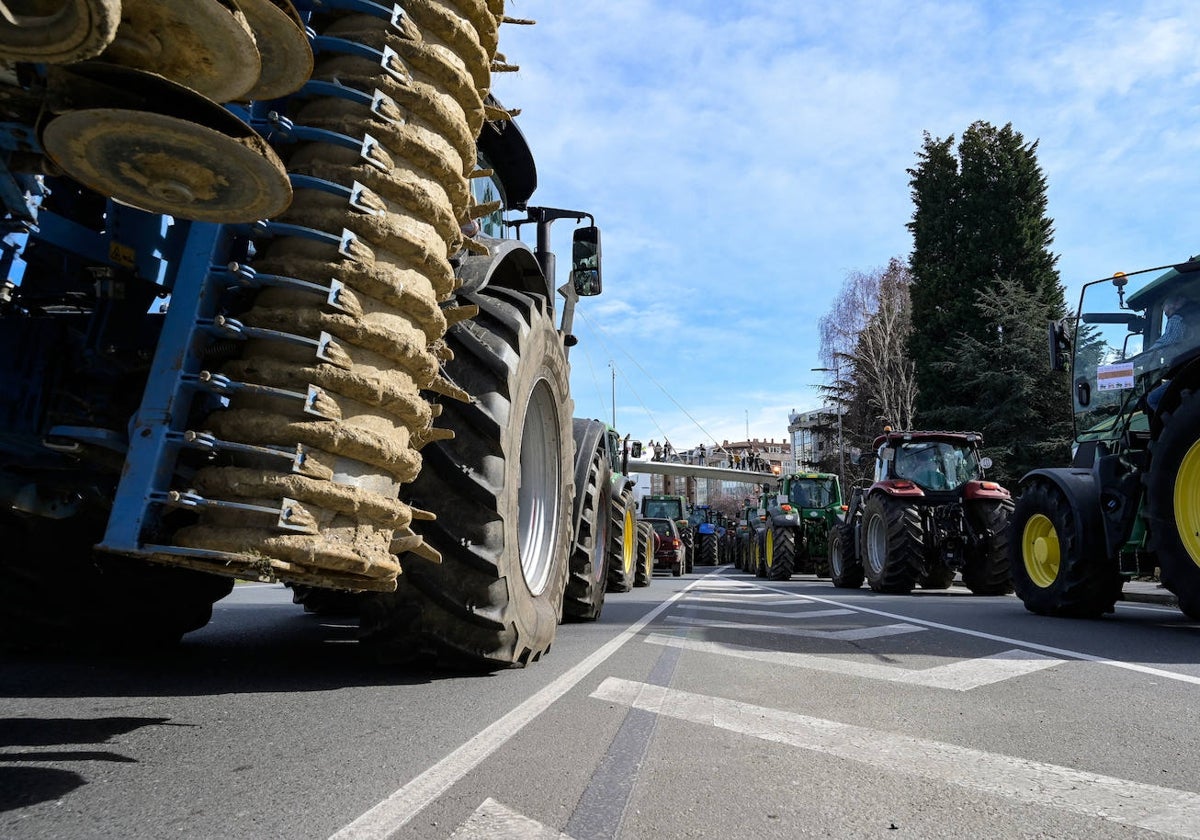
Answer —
(854, 634)
(493, 821)
(956, 676)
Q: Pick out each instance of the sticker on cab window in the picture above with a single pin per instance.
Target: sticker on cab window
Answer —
(1114, 377)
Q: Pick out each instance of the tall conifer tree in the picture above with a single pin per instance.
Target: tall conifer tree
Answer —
(980, 231)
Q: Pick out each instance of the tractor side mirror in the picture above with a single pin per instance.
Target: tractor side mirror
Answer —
(635, 449)
(1060, 344)
(585, 261)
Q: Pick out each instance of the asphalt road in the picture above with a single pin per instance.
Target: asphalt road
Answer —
(714, 705)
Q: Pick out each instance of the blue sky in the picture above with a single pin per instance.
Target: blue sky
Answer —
(743, 157)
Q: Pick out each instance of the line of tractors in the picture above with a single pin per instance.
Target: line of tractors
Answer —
(1128, 503)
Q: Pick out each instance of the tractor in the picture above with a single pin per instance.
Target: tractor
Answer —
(799, 516)
(930, 513)
(1128, 503)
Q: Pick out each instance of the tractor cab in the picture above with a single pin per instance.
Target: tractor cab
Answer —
(1134, 336)
(931, 461)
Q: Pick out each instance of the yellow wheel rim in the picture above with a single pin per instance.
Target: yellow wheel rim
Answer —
(770, 558)
(1187, 502)
(1040, 550)
(628, 549)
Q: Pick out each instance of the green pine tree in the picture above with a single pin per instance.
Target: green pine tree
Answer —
(984, 287)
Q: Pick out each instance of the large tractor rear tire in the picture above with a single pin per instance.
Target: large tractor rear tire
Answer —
(55, 594)
(986, 568)
(502, 492)
(622, 553)
(1173, 502)
(892, 544)
(781, 553)
(645, 563)
(1052, 572)
(758, 560)
(706, 550)
(845, 566)
(588, 576)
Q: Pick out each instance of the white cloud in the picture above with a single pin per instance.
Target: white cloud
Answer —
(743, 157)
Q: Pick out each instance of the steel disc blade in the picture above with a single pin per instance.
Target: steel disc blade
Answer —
(57, 31)
(204, 44)
(287, 58)
(169, 165)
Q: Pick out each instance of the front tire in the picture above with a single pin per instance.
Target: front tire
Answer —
(892, 544)
(781, 553)
(1052, 572)
(1173, 502)
(502, 491)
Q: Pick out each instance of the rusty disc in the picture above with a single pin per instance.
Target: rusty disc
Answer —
(56, 31)
(287, 58)
(206, 45)
(169, 165)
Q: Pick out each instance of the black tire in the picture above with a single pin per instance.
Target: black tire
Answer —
(938, 577)
(706, 550)
(588, 570)
(780, 553)
(986, 569)
(622, 544)
(845, 566)
(56, 594)
(502, 490)
(645, 565)
(760, 565)
(1174, 468)
(1053, 570)
(892, 544)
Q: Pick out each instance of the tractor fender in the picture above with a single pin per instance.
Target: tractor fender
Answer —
(706, 528)
(974, 490)
(785, 520)
(899, 487)
(1083, 494)
(509, 264)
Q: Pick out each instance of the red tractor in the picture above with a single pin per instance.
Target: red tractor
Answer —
(929, 514)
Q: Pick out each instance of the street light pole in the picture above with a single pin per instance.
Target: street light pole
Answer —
(837, 379)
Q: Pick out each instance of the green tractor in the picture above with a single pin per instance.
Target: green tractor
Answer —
(608, 553)
(799, 517)
(1130, 501)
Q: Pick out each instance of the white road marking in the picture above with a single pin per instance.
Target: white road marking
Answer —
(770, 613)
(494, 821)
(955, 676)
(854, 634)
(1032, 782)
(394, 812)
(1007, 640)
(739, 598)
